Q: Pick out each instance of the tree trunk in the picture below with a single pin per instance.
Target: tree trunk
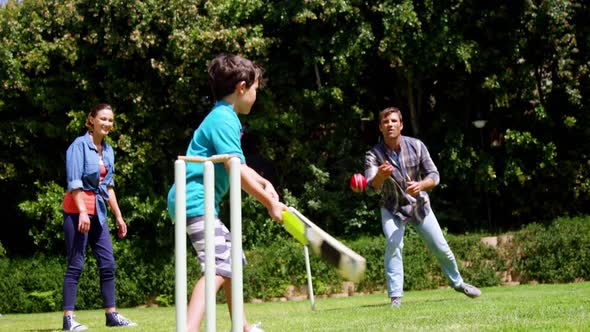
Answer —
(412, 106)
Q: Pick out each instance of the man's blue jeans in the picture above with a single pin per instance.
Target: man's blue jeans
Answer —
(429, 230)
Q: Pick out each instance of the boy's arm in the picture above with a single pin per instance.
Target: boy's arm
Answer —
(259, 187)
(268, 187)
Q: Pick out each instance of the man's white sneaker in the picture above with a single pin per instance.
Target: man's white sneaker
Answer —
(469, 290)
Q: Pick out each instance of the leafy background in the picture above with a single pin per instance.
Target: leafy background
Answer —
(331, 65)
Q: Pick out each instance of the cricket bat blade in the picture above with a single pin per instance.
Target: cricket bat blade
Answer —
(349, 264)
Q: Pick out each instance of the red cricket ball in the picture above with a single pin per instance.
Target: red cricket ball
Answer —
(358, 183)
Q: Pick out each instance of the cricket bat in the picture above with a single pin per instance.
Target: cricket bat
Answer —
(350, 265)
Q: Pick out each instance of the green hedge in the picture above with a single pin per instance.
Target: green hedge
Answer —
(559, 252)
(556, 253)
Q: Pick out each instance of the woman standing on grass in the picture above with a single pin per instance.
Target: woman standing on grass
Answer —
(90, 165)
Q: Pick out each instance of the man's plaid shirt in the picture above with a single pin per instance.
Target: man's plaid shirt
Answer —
(415, 164)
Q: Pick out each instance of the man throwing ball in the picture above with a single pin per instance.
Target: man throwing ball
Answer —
(400, 169)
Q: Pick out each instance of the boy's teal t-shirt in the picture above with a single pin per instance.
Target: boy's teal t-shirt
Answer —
(219, 133)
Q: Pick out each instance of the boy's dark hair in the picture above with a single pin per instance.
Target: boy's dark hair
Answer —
(227, 70)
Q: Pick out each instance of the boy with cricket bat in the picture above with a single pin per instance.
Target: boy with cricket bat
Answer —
(234, 81)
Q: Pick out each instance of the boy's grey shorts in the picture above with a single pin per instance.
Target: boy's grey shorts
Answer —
(195, 227)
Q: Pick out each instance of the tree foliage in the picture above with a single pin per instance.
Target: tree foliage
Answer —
(331, 65)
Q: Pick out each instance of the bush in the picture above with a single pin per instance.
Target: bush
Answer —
(559, 252)
(31, 285)
(34, 284)
(47, 215)
(478, 263)
(556, 253)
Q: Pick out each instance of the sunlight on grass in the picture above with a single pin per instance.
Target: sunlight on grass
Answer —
(563, 307)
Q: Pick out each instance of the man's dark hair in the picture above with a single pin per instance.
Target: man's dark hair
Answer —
(227, 70)
(388, 111)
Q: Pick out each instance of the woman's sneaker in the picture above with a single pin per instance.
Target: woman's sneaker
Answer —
(70, 324)
(396, 302)
(116, 319)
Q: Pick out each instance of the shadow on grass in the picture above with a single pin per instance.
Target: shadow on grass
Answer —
(381, 305)
(361, 306)
(375, 305)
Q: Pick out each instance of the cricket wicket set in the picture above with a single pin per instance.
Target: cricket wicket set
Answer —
(236, 240)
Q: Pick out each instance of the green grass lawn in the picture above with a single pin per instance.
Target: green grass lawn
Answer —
(562, 307)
